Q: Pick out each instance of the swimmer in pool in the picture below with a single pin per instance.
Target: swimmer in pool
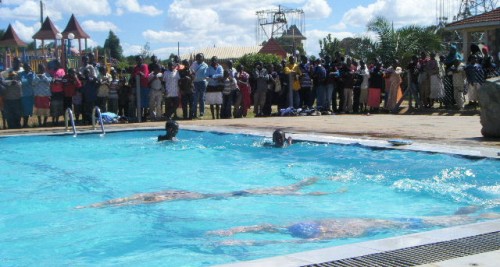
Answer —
(349, 227)
(171, 130)
(279, 139)
(171, 195)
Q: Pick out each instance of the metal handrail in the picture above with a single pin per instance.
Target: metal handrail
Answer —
(98, 110)
(68, 116)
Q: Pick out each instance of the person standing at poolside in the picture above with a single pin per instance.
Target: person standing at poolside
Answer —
(27, 99)
(141, 69)
(294, 75)
(113, 92)
(57, 98)
(436, 83)
(261, 78)
(424, 80)
(243, 79)
(12, 100)
(41, 91)
(171, 78)
(199, 69)
(157, 90)
(71, 84)
(215, 75)
(376, 83)
(186, 89)
(104, 79)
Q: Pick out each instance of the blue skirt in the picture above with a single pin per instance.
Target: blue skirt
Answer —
(27, 103)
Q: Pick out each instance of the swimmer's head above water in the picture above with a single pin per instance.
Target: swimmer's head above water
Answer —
(171, 129)
(280, 140)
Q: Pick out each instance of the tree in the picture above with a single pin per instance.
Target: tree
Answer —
(112, 45)
(402, 43)
(146, 51)
(249, 60)
(329, 46)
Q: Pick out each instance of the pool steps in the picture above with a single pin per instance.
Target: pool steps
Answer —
(98, 110)
(68, 116)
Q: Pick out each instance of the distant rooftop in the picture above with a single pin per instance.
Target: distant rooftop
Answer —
(224, 53)
(486, 20)
(10, 39)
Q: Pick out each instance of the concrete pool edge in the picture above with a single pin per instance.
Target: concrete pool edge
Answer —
(374, 246)
(420, 146)
(467, 151)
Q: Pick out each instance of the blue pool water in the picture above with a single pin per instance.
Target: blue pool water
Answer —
(43, 179)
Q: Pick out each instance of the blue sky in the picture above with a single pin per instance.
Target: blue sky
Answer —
(197, 24)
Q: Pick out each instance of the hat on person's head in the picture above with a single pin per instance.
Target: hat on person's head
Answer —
(398, 70)
(485, 50)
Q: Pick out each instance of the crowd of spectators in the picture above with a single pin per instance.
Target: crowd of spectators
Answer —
(320, 86)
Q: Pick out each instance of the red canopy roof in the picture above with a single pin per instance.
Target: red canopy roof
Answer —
(10, 38)
(273, 47)
(75, 28)
(47, 32)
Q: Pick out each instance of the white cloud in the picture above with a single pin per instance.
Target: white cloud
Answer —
(30, 10)
(25, 32)
(133, 6)
(99, 26)
(27, 10)
(402, 12)
(164, 52)
(162, 36)
(313, 36)
(131, 49)
(80, 8)
(317, 9)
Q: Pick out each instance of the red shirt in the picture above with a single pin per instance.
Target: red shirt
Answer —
(57, 86)
(70, 84)
(143, 77)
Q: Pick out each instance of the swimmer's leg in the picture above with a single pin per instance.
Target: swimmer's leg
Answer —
(268, 228)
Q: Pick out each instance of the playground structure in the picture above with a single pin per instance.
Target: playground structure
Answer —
(281, 22)
(63, 46)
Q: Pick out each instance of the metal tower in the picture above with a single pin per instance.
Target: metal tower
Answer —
(448, 11)
(469, 8)
(276, 22)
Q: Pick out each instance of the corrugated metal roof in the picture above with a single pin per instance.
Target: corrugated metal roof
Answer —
(488, 19)
(224, 53)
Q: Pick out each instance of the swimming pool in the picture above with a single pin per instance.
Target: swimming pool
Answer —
(45, 177)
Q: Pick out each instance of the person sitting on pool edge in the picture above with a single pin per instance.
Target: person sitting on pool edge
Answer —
(171, 129)
(279, 139)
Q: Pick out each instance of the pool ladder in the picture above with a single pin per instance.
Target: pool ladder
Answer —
(68, 116)
(98, 110)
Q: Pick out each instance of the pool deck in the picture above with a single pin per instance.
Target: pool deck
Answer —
(453, 134)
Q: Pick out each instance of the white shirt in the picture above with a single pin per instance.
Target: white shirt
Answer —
(171, 79)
